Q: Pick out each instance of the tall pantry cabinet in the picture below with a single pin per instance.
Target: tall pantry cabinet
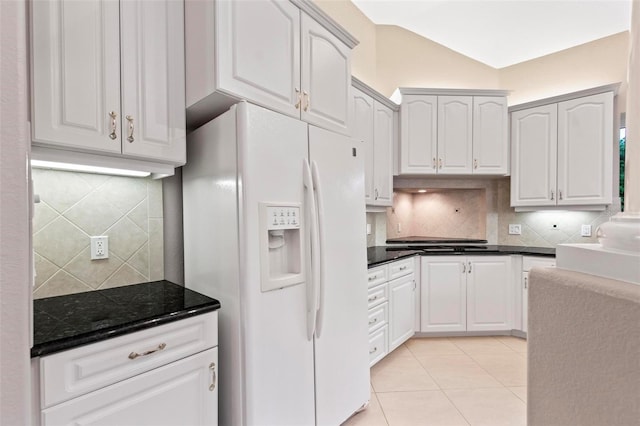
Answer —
(107, 77)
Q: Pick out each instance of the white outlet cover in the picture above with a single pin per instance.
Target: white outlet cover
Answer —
(585, 231)
(99, 247)
(368, 229)
(515, 229)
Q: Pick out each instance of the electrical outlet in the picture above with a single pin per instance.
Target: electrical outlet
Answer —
(585, 231)
(399, 228)
(515, 229)
(368, 229)
(99, 247)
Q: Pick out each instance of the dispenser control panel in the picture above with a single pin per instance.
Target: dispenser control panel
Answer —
(279, 217)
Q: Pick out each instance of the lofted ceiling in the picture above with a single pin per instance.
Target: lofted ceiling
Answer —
(500, 33)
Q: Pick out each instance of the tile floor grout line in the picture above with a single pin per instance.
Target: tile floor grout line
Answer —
(457, 408)
(423, 367)
(386, 420)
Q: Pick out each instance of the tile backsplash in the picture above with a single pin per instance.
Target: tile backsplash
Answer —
(75, 206)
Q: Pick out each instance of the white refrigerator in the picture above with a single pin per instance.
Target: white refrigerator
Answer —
(274, 221)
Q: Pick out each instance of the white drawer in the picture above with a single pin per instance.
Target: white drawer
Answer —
(377, 276)
(378, 295)
(400, 268)
(378, 345)
(378, 317)
(75, 372)
(529, 262)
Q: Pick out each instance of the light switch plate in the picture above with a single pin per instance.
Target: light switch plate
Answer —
(515, 229)
(368, 229)
(585, 231)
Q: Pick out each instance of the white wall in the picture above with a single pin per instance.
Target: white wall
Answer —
(15, 266)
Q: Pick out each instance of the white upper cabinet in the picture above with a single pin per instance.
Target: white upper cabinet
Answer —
(383, 137)
(490, 135)
(585, 152)
(153, 100)
(362, 129)
(373, 121)
(75, 66)
(533, 163)
(287, 56)
(455, 121)
(108, 78)
(326, 78)
(562, 150)
(258, 51)
(418, 134)
(453, 131)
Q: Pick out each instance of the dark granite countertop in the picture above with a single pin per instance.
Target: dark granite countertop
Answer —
(379, 255)
(65, 322)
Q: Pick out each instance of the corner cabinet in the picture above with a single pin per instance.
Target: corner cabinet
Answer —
(287, 56)
(453, 132)
(163, 375)
(107, 78)
(562, 150)
(466, 293)
(374, 123)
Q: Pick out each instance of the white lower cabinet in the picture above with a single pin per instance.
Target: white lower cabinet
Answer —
(181, 393)
(529, 262)
(165, 375)
(391, 307)
(465, 293)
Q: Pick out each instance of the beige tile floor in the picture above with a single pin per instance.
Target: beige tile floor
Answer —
(449, 381)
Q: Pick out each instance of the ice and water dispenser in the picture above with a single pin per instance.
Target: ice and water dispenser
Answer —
(281, 257)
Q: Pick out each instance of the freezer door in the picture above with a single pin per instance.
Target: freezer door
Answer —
(341, 342)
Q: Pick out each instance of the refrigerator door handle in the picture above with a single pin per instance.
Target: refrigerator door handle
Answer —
(313, 275)
(321, 269)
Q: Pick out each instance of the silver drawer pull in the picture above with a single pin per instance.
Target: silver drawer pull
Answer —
(402, 268)
(371, 299)
(113, 116)
(373, 350)
(375, 320)
(212, 367)
(372, 278)
(134, 355)
(130, 120)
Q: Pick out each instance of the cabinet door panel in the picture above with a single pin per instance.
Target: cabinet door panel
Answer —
(489, 293)
(150, 398)
(443, 294)
(418, 135)
(402, 310)
(362, 129)
(75, 70)
(533, 159)
(326, 78)
(455, 134)
(259, 52)
(490, 142)
(383, 154)
(585, 138)
(153, 98)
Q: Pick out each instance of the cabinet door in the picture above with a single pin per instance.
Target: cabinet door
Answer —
(533, 159)
(362, 129)
(326, 78)
(153, 81)
(418, 135)
(75, 66)
(490, 142)
(259, 52)
(455, 131)
(489, 293)
(184, 392)
(525, 301)
(585, 149)
(443, 284)
(383, 154)
(401, 310)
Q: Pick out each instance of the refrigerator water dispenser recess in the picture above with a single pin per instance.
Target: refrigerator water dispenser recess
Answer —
(281, 257)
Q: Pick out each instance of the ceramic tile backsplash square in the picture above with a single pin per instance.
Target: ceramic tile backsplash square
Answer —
(75, 206)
